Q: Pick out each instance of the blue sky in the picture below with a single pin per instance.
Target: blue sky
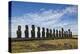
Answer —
(44, 15)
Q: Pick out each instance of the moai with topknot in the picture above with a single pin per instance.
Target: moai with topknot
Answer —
(33, 32)
(19, 33)
(43, 32)
(26, 31)
(38, 32)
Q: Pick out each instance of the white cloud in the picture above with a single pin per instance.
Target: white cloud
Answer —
(71, 10)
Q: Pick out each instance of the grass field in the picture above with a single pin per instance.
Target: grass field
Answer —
(44, 45)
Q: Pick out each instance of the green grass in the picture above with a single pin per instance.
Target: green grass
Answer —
(44, 45)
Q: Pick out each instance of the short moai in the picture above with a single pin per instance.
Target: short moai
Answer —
(53, 33)
(43, 32)
(50, 33)
(62, 33)
(38, 32)
(26, 31)
(19, 33)
(66, 34)
(59, 34)
(33, 32)
(56, 33)
(70, 34)
(47, 33)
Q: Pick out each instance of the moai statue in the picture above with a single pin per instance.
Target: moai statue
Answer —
(19, 32)
(38, 32)
(33, 32)
(50, 33)
(56, 33)
(62, 33)
(53, 33)
(69, 33)
(26, 31)
(43, 32)
(59, 34)
(66, 34)
(47, 32)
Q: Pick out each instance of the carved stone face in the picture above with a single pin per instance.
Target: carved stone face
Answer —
(47, 29)
(50, 30)
(39, 28)
(19, 27)
(43, 29)
(33, 27)
(26, 26)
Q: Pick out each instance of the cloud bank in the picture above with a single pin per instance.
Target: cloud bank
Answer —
(48, 19)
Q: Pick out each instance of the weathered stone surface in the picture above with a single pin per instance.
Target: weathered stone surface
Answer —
(19, 33)
(43, 32)
(33, 32)
(26, 31)
(38, 32)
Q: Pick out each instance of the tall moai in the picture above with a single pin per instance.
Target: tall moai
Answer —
(19, 33)
(50, 33)
(43, 32)
(33, 32)
(38, 32)
(56, 33)
(62, 33)
(69, 33)
(53, 33)
(47, 33)
(26, 31)
(59, 34)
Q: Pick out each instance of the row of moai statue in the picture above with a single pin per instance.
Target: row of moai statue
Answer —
(49, 34)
